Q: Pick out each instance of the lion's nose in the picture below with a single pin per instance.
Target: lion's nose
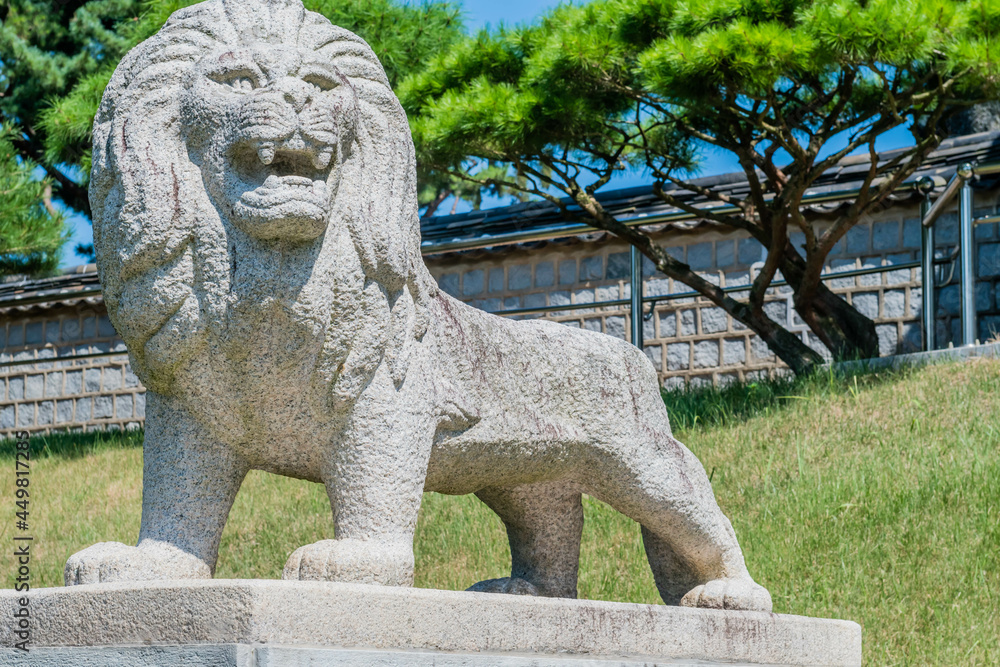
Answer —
(296, 93)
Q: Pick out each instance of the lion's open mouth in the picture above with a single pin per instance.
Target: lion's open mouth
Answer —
(292, 172)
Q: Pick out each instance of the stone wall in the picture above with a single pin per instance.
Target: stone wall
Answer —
(86, 394)
(689, 340)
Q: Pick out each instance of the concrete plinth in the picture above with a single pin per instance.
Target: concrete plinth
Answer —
(263, 623)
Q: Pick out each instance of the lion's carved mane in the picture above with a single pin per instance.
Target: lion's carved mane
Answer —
(171, 274)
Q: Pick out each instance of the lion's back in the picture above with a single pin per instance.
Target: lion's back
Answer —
(537, 366)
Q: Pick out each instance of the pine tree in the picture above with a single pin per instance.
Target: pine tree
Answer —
(32, 232)
(404, 36)
(57, 56)
(46, 48)
(788, 87)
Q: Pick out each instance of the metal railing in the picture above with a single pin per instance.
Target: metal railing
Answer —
(635, 302)
(63, 359)
(961, 185)
(850, 273)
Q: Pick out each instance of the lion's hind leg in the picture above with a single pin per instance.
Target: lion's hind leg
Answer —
(679, 583)
(690, 544)
(544, 524)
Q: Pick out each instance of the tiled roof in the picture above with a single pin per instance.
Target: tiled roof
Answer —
(631, 203)
(81, 283)
(72, 286)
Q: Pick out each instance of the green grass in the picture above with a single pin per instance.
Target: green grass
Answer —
(874, 498)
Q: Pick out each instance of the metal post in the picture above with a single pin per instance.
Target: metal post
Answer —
(926, 186)
(968, 283)
(636, 297)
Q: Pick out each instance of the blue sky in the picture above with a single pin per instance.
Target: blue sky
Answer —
(478, 14)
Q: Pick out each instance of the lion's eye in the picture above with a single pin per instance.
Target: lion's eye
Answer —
(321, 81)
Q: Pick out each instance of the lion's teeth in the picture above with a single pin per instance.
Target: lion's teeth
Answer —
(266, 153)
(322, 161)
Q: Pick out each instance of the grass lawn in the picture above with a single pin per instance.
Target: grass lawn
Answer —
(873, 498)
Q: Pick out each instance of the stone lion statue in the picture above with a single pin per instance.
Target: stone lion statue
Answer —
(256, 227)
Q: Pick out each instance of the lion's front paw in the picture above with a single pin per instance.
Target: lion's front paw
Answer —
(504, 585)
(112, 561)
(354, 561)
(731, 594)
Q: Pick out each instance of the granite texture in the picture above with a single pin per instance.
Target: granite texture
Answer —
(256, 229)
(287, 617)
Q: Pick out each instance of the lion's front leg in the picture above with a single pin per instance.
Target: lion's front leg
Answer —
(189, 483)
(375, 481)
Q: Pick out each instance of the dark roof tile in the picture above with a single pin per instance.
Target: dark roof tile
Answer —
(636, 202)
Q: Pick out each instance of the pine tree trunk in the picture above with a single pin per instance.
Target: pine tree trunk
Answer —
(801, 358)
(840, 326)
(848, 334)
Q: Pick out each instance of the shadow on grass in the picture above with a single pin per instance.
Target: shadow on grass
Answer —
(717, 406)
(74, 445)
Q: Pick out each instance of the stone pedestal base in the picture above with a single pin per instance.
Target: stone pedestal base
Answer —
(262, 623)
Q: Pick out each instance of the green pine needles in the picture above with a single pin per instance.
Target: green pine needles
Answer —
(32, 231)
(57, 57)
(788, 87)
